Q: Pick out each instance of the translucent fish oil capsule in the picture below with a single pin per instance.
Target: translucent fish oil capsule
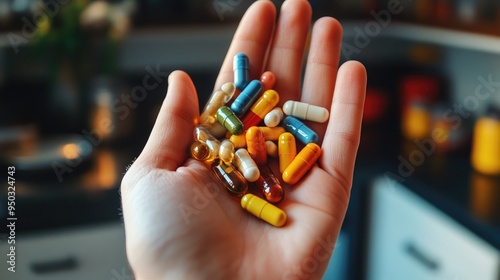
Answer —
(232, 180)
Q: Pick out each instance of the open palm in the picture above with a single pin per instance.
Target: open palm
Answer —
(180, 224)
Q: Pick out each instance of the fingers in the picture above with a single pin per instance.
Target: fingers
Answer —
(252, 37)
(322, 65)
(172, 133)
(341, 139)
(287, 49)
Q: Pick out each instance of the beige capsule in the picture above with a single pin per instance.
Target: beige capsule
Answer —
(305, 111)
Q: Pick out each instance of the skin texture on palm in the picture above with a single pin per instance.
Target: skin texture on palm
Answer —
(218, 239)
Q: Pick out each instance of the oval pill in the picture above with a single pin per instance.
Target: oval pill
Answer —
(241, 70)
(274, 117)
(263, 210)
(271, 149)
(229, 120)
(305, 111)
(304, 160)
(246, 98)
(246, 165)
(287, 150)
(301, 131)
(268, 79)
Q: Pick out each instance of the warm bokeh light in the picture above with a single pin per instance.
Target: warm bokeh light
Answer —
(70, 151)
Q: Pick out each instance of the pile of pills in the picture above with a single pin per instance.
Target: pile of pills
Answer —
(231, 139)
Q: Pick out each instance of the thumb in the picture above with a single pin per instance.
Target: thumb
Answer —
(172, 132)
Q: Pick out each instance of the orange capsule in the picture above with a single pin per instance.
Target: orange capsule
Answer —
(269, 185)
(272, 133)
(268, 79)
(287, 150)
(256, 145)
(261, 107)
(304, 160)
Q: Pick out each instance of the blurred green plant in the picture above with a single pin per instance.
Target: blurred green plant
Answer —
(84, 36)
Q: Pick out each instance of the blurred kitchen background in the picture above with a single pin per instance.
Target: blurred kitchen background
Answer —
(81, 83)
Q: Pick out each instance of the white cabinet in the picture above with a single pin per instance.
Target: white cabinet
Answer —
(411, 239)
(84, 253)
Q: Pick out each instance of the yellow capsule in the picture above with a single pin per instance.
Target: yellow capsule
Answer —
(239, 141)
(287, 150)
(218, 99)
(263, 210)
(304, 160)
(226, 151)
(272, 133)
(271, 149)
(246, 165)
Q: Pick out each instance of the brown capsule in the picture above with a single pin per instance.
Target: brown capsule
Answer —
(270, 185)
(230, 178)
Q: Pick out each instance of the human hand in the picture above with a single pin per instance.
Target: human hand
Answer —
(181, 225)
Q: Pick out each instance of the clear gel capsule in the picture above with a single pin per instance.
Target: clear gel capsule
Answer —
(263, 210)
(301, 131)
(270, 185)
(256, 145)
(246, 98)
(218, 99)
(229, 120)
(271, 149)
(268, 79)
(304, 160)
(246, 165)
(230, 178)
(216, 129)
(287, 150)
(241, 70)
(274, 117)
(305, 111)
(226, 151)
(203, 141)
(261, 107)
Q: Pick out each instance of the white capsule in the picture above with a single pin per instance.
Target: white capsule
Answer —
(246, 165)
(226, 151)
(274, 117)
(305, 111)
(271, 149)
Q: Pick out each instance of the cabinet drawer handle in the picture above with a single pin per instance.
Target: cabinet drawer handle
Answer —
(67, 263)
(419, 255)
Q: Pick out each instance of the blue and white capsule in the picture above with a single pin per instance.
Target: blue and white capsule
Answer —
(241, 69)
(246, 98)
(300, 130)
